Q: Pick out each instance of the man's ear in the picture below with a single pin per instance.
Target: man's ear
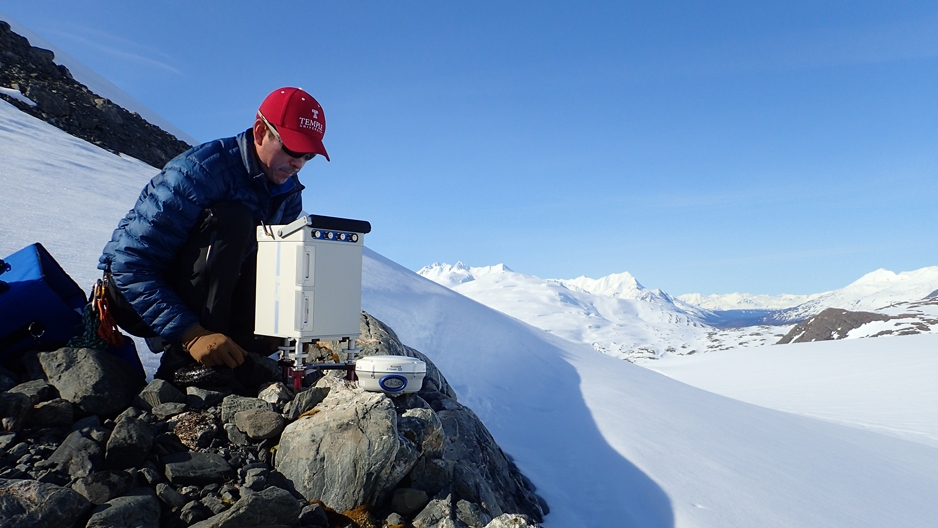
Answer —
(260, 132)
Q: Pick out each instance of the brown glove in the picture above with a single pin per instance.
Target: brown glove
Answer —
(211, 348)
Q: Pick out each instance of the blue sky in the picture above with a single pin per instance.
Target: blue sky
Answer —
(711, 147)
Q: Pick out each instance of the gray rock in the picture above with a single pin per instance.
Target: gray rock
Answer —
(167, 410)
(482, 473)
(408, 501)
(432, 475)
(77, 455)
(349, 453)
(37, 390)
(395, 520)
(194, 512)
(103, 486)
(97, 382)
(129, 444)
(140, 509)
(305, 401)
(197, 468)
(214, 504)
(85, 424)
(32, 504)
(512, 520)
(435, 514)
(170, 496)
(7, 440)
(314, 515)
(276, 394)
(235, 436)
(234, 404)
(272, 506)
(471, 514)
(14, 409)
(195, 430)
(53, 413)
(423, 428)
(156, 392)
(131, 412)
(259, 424)
(256, 478)
(199, 398)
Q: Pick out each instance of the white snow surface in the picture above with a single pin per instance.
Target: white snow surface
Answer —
(97, 84)
(607, 442)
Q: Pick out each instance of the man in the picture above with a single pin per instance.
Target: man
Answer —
(182, 264)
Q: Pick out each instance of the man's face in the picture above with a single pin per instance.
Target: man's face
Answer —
(276, 164)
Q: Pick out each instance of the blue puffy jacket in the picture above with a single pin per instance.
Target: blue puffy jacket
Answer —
(148, 238)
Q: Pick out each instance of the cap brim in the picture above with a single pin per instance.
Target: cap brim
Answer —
(300, 142)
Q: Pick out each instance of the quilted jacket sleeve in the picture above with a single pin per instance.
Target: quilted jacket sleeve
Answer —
(155, 230)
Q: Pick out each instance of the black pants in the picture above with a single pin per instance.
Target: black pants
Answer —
(214, 273)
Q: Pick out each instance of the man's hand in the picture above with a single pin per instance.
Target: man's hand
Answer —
(211, 348)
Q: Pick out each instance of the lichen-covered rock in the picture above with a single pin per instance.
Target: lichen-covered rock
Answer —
(347, 454)
(32, 504)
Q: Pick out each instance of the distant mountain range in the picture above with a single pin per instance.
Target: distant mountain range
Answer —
(620, 317)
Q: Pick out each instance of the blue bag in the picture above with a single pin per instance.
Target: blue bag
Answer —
(40, 305)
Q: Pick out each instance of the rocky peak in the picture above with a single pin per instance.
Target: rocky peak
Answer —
(67, 104)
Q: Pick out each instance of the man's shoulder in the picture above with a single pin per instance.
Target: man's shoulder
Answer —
(224, 150)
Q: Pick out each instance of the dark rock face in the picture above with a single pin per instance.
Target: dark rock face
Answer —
(346, 457)
(832, 323)
(32, 504)
(69, 105)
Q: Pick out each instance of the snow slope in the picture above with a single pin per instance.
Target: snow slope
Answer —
(745, 301)
(608, 443)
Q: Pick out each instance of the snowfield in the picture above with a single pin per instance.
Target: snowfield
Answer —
(834, 434)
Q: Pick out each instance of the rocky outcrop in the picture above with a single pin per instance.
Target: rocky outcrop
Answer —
(832, 323)
(69, 105)
(331, 455)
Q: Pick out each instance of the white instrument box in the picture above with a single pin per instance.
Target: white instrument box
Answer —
(309, 279)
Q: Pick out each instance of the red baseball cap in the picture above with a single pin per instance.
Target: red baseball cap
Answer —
(299, 119)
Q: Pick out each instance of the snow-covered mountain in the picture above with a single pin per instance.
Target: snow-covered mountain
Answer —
(744, 301)
(606, 442)
(615, 315)
(870, 292)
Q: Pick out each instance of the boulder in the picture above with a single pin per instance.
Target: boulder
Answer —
(348, 454)
(139, 509)
(129, 444)
(103, 486)
(234, 404)
(14, 410)
(270, 507)
(259, 424)
(156, 392)
(95, 381)
(53, 413)
(77, 455)
(197, 468)
(305, 401)
(33, 504)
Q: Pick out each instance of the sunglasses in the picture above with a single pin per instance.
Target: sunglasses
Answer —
(292, 154)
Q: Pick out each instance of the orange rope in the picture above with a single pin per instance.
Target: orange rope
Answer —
(107, 329)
